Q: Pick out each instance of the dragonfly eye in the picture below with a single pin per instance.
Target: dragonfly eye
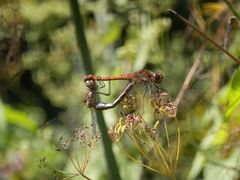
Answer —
(157, 77)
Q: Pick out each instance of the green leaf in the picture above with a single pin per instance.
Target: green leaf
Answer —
(234, 96)
(19, 118)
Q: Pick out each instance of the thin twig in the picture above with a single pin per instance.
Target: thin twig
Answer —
(190, 75)
(185, 21)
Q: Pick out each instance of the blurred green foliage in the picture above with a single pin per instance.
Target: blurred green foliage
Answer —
(42, 87)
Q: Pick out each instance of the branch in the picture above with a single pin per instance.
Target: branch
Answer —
(190, 75)
(185, 21)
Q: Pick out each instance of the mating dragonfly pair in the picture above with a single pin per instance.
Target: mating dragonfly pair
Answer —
(146, 77)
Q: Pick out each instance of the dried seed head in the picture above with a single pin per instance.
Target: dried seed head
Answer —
(169, 109)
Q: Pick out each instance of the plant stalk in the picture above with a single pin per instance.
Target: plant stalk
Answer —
(87, 63)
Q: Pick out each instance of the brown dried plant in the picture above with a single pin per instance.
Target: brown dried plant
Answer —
(159, 153)
(80, 139)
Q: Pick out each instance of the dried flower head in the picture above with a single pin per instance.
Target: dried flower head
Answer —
(79, 138)
(163, 105)
(152, 142)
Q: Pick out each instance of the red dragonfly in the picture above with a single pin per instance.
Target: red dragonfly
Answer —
(144, 76)
(137, 77)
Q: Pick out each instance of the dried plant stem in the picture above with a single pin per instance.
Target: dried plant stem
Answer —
(85, 177)
(78, 168)
(190, 75)
(160, 151)
(64, 172)
(166, 130)
(137, 161)
(178, 134)
(185, 21)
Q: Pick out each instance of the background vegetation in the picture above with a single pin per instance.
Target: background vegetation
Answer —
(42, 88)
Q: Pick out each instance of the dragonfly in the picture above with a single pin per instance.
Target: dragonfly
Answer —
(159, 98)
(145, 76)
(91, 98)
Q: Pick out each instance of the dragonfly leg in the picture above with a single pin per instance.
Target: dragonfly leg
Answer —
(101, 84)
(109, 89)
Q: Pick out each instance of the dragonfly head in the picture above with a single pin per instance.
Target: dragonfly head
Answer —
(91, 84)
(87, 78)
(157, 78)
